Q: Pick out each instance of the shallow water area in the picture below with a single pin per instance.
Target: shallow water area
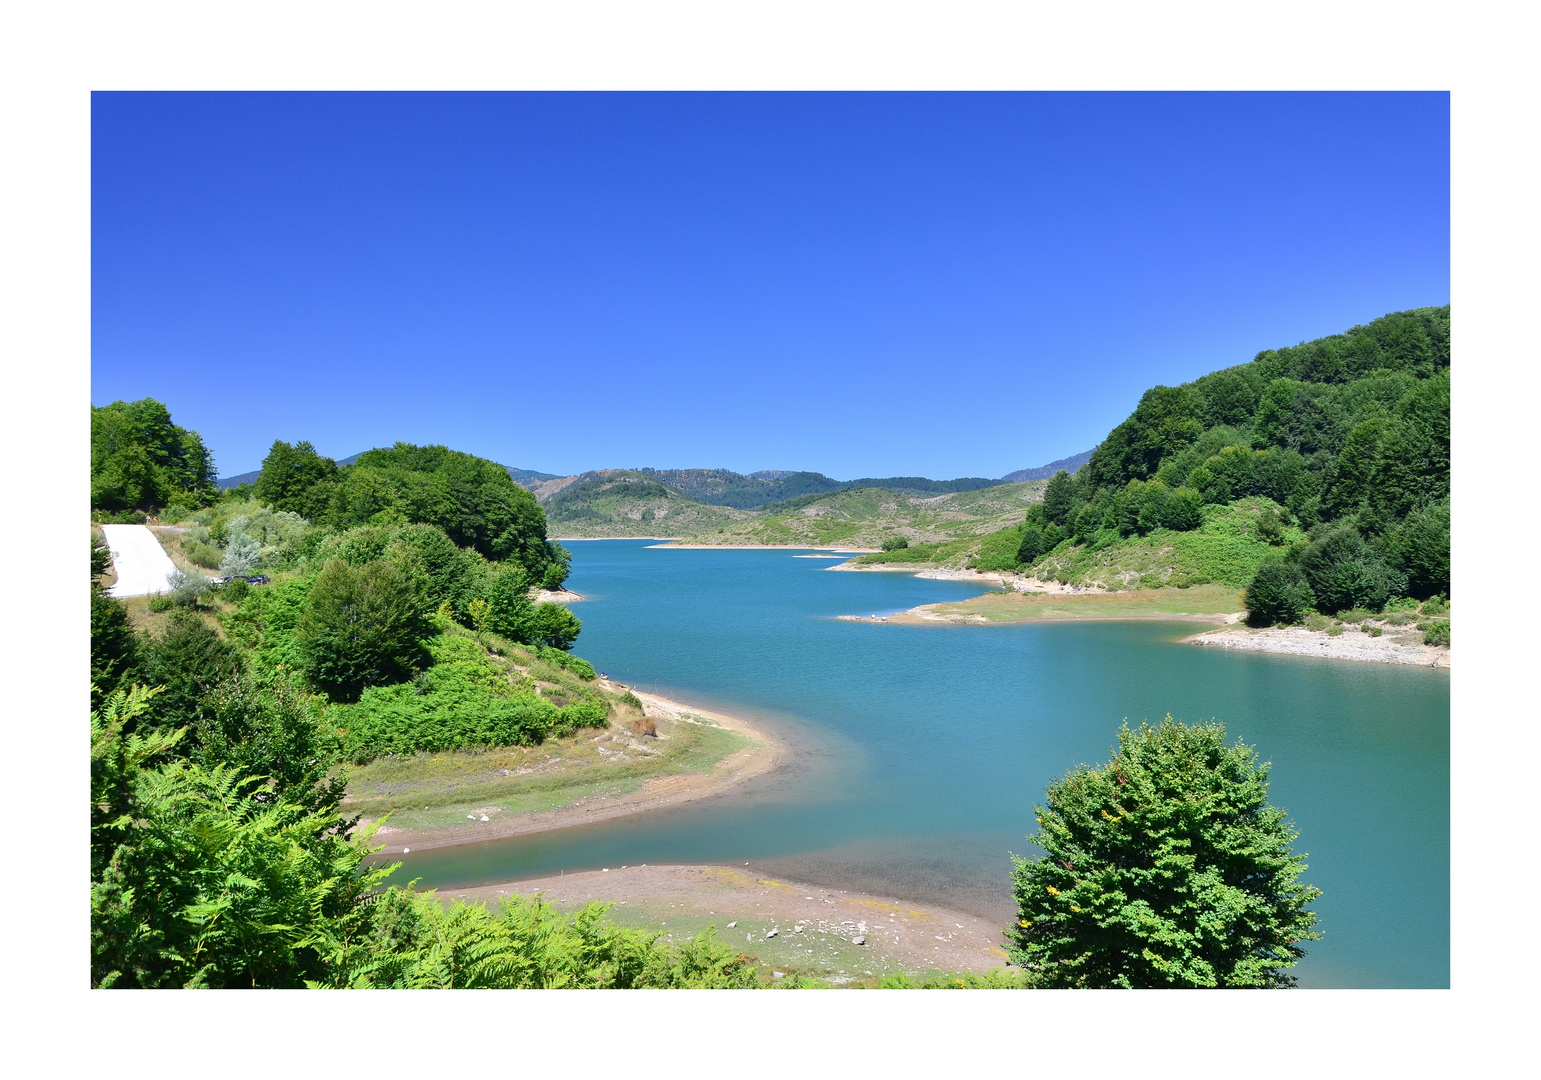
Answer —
(916, 753)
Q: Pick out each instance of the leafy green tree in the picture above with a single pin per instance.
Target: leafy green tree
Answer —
(1345, 572)
(140, 460)
(1059, 498)
(1183, 510)
(363, 626)
(1165, 867)
(895, 543)
(1270, 529)
(480, 612)
(299, 480)
(555, 627)
(510, 613)
(1420, 549)
(187, 659)
(1032, 545)
(265, 727)
(1053, 537)
(1278, 594)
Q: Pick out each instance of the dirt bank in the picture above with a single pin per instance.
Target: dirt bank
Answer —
(815, 928)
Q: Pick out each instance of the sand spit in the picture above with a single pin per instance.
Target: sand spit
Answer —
(1352, 644)
(816, 926)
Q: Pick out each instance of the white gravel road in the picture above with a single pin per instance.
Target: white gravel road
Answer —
(142, 564)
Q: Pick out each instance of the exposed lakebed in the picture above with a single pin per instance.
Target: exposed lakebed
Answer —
(917, 752)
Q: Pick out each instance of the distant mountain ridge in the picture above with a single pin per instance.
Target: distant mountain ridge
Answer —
(1044, 472)
(724, 487)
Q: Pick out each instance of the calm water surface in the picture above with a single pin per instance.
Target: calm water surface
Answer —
(918, 752)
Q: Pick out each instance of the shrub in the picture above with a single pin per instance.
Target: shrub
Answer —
(1269, 528)
(242, 552)
(160, 602)
(463, 702)
(895, 543)
(187, 659)
(1278, 593)
(234, 590)
(1165, 867)
(1436, 605)
(568, 662)
(361, 627)
(1438, 633)
(186, 588)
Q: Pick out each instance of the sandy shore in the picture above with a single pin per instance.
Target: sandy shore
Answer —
(556, 596)
(676, 546)
(661, 791)
(1390, 648)
(815, 927)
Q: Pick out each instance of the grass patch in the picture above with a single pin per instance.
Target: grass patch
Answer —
(1142, 604)
(439, 790)
(1225, 550)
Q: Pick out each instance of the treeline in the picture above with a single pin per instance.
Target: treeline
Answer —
(141, 461)
(1349, 435)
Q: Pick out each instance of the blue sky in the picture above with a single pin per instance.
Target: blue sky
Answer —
(861, 284)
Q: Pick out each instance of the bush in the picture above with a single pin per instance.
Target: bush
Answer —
(568, 662)
(1278, 593)
(186, 589)
(1438, 633)
(362, 627)
(895, 543)
(160, 602)
(234, 590)
(242, 552)
(188, 659)
(1164, 867)
(463, 702)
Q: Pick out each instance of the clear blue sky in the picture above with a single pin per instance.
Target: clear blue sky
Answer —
(865, 285)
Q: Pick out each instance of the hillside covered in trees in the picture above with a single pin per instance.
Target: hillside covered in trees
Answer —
(1327, 461)
(394, 618)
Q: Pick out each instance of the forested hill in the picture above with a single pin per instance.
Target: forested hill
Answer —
(1346, 438)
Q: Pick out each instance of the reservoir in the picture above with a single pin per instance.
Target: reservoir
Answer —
(917, 753)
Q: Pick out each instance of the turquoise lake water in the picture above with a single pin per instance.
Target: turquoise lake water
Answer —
(918, 752)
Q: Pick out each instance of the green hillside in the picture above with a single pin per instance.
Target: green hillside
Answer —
(622, 502)
(1330, 458)
(866, 517)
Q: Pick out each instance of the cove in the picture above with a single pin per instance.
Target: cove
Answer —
(918, 752)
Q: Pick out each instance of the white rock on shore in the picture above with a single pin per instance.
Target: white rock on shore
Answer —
(1349, 645)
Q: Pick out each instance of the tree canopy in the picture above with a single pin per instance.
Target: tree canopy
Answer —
(141, 461)
(1164, 867)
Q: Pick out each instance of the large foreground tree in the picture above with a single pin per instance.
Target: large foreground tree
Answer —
(1165, 867)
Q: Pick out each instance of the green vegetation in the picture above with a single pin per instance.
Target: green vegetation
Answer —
(621, 502)
(943, 527)
(1333, 456)
(1165, 867)
(220, 854)
(1013, 607)
(470, 499)
(141, 461)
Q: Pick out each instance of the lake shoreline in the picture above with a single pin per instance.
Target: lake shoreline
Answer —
(764, 754)
(788, 926)
(1349, 645)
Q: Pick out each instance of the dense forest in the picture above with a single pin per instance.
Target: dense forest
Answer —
(393, 616)
(1343, 442)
